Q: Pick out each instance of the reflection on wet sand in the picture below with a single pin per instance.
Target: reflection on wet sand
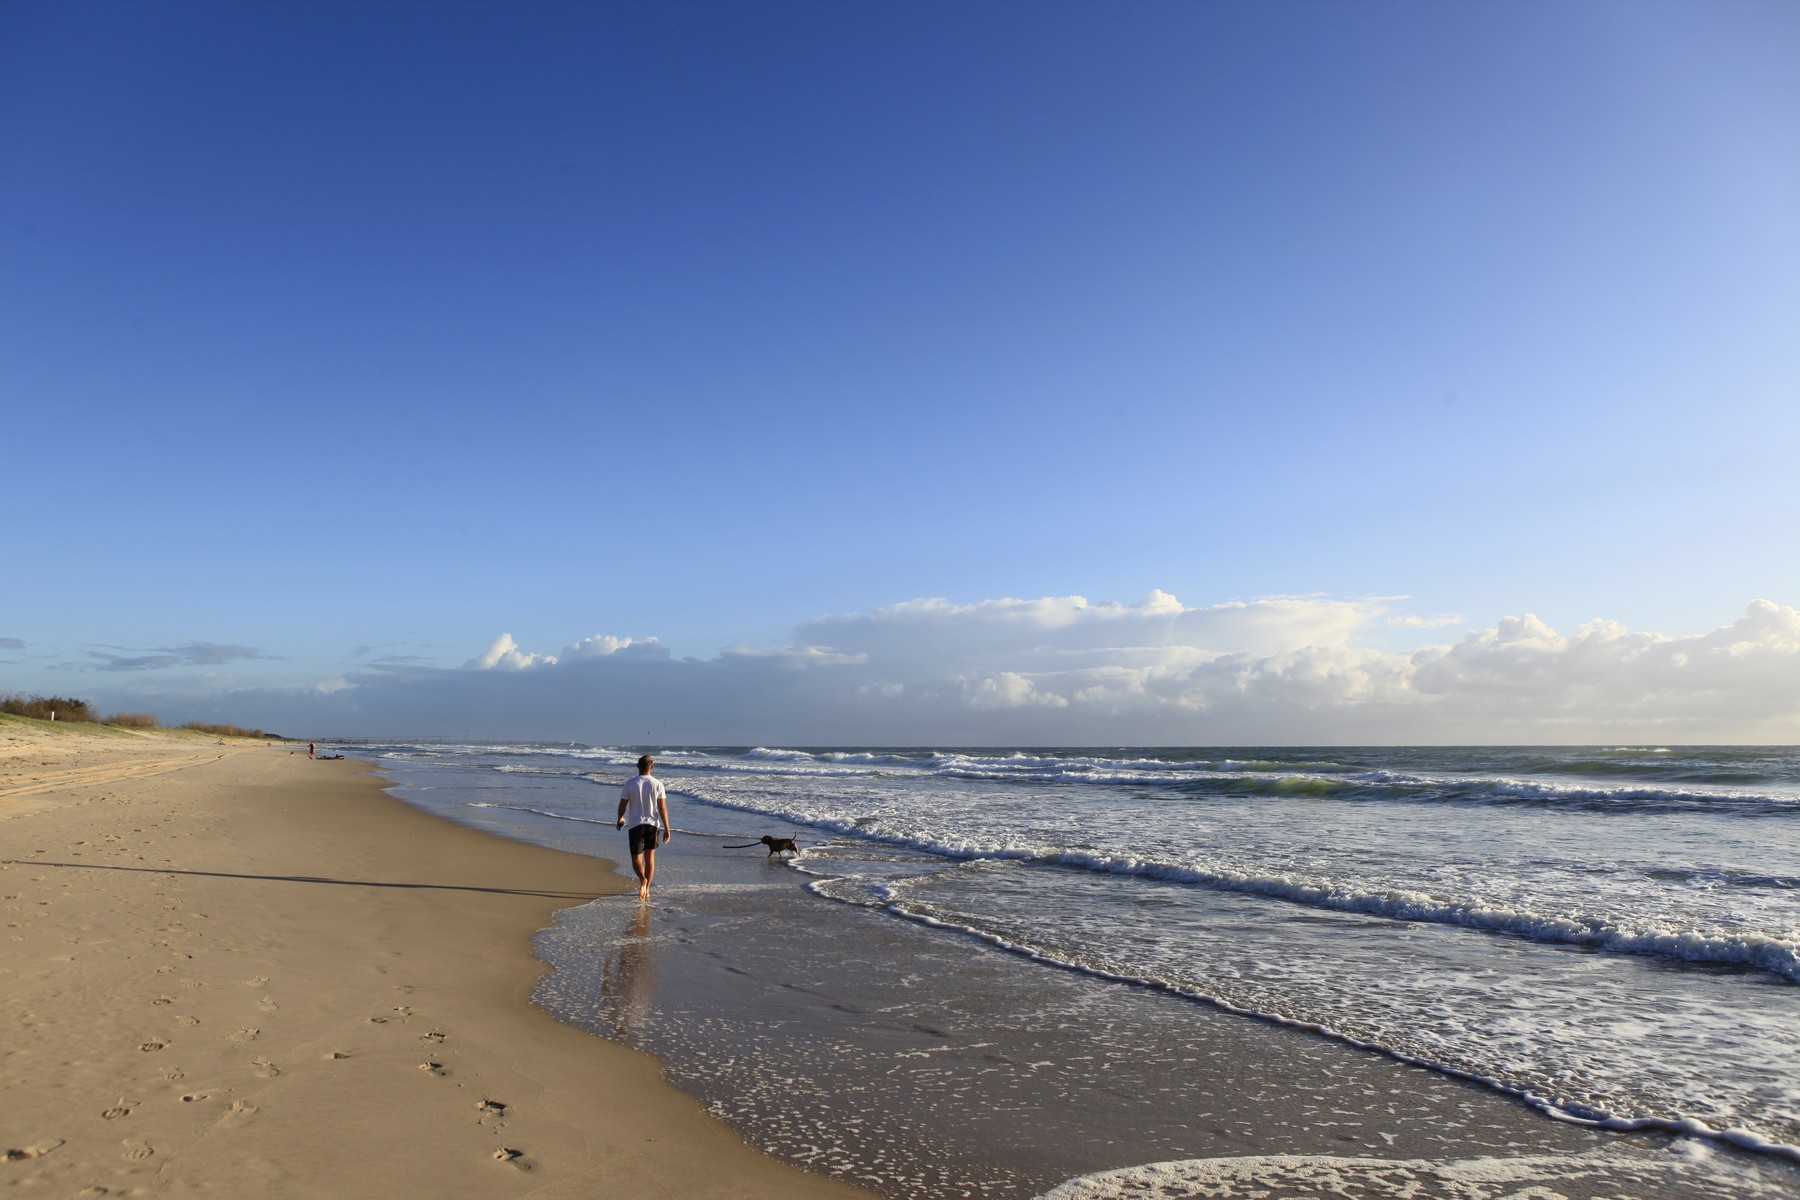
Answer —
(628, 976)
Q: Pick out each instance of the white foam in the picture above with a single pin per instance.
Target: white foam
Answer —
(1551, 1177)
(885, 899)
(779, 755)
(539, 812)
(1622, 934)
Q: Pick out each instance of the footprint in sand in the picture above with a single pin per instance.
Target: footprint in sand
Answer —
(337, 1054)
(164, 970)
(137, 1148)
(173, 1075)
(37, 1151)
(403, 1010)
(241, 1109)
(191, 1097)
(160, 1000)
(115, 1112)
(378, 1020)
(256, 981)
(265, 1068)
(243, 1035)
(148, 1047)
(436, 1068)
(512, 1158)
(188, 1020)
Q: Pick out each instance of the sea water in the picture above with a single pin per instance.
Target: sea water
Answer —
(1611, 934)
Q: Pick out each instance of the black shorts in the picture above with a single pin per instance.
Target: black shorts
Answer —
(643, 837)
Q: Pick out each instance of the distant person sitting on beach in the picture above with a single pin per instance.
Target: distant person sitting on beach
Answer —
(644, 802)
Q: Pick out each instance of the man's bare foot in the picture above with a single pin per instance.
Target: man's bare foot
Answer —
(643, 891)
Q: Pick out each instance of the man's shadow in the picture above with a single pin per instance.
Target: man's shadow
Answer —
(372, 883)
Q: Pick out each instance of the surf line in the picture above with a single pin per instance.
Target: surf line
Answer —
(1592, 1118)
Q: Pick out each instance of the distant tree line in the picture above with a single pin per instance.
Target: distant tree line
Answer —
(227, 730)
(67, 708)
(63, 708)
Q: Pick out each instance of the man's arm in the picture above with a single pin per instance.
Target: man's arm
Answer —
(623, 801)
(662, 806)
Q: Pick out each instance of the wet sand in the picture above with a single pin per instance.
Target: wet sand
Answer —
(928, 1063)
(226, 967)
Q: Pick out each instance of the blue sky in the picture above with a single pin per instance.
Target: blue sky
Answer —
(341, 339)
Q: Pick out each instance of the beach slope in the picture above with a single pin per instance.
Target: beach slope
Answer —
(229, 968)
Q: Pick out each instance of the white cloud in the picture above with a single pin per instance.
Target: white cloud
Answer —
(603, 645)
(1746, 671)
(1064, 670)
(503, 652)
(1009, 689)
(1010, 630)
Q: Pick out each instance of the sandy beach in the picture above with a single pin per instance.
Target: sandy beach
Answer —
(228, 968)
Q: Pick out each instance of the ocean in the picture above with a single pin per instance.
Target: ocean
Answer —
(999, 972)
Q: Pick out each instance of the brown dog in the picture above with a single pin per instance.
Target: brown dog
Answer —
(776, 845)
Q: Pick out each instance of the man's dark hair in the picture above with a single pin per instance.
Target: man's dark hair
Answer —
(644, 764)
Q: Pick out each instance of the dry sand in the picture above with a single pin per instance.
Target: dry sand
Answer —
(228, 969)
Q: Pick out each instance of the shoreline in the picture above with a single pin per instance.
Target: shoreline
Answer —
(231, 966)
(835, 1035)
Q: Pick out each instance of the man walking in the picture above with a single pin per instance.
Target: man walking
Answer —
(643, 806)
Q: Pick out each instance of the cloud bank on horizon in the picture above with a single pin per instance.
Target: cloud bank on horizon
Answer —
(1064, 671)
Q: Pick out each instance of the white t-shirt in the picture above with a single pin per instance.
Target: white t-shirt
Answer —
(643, 795)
